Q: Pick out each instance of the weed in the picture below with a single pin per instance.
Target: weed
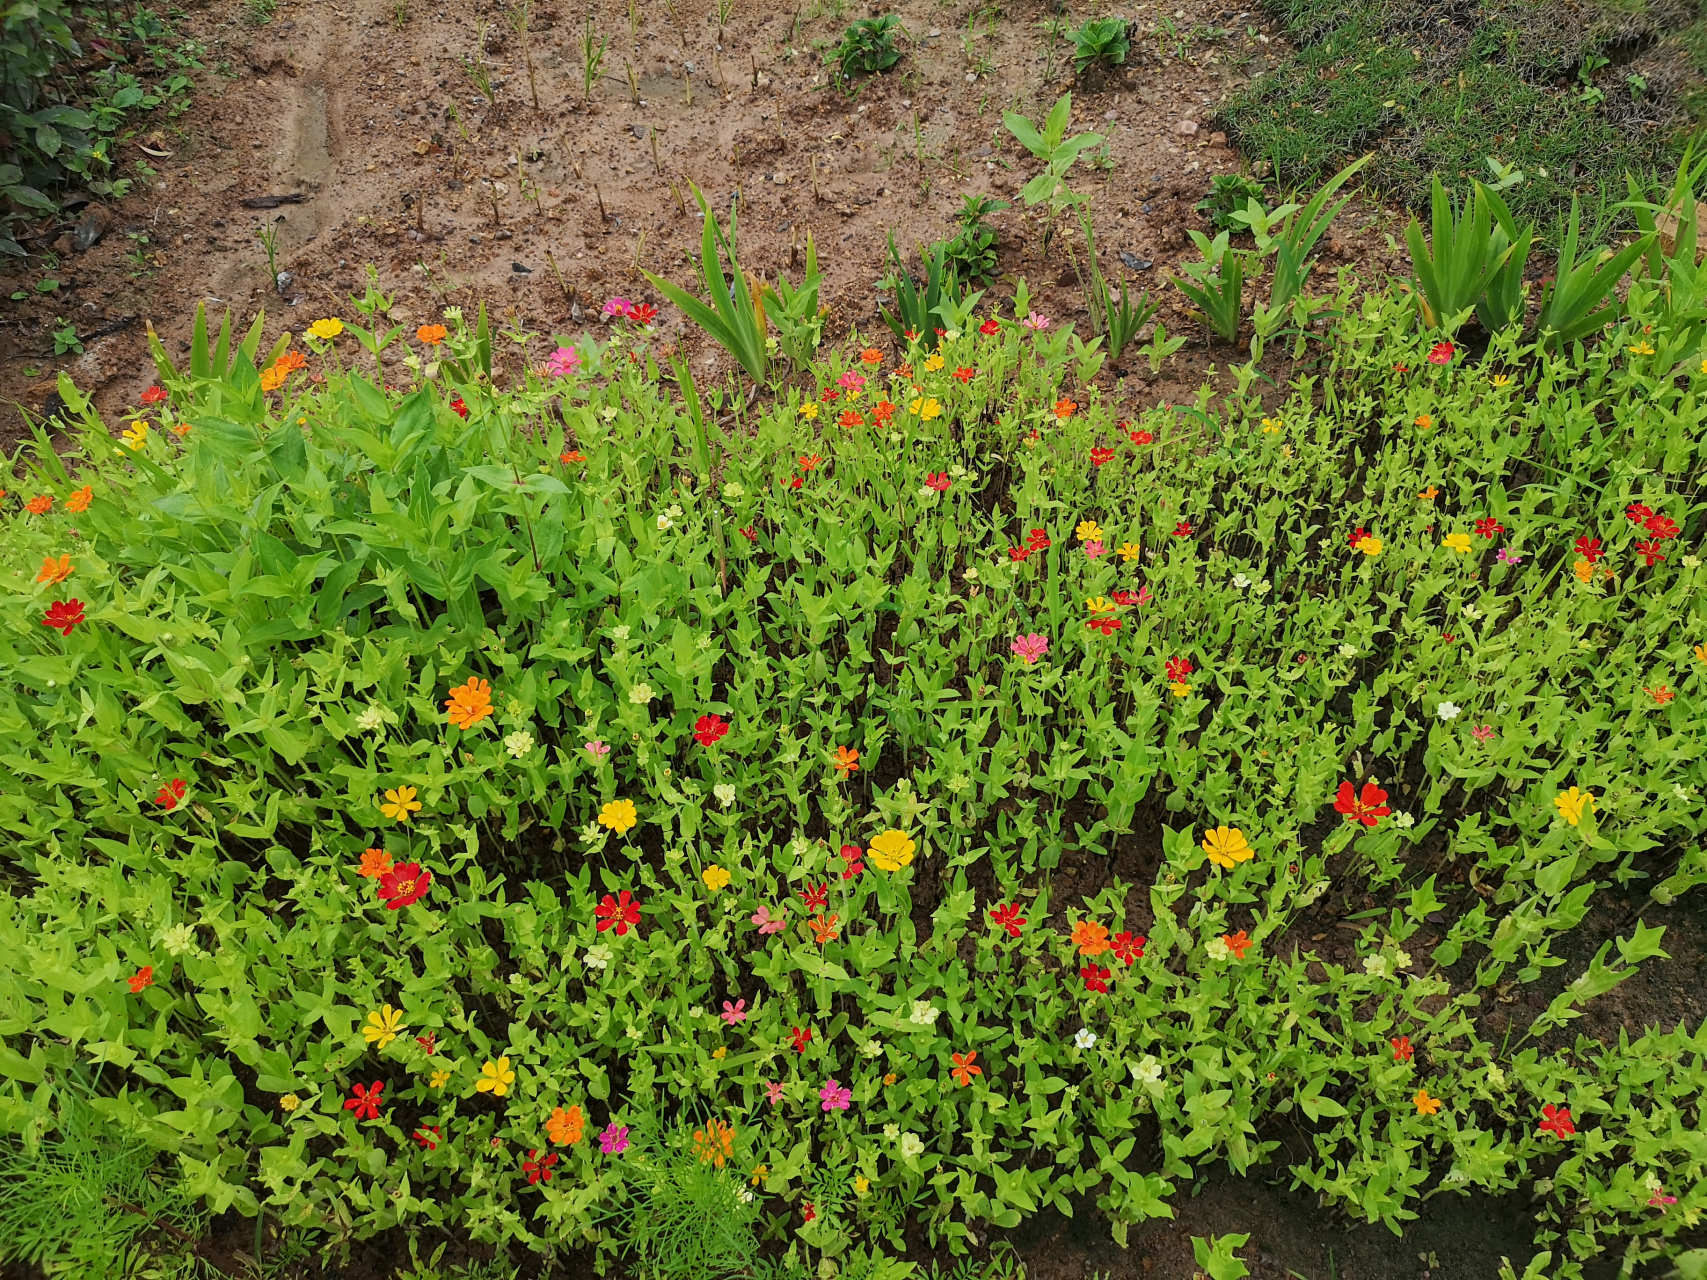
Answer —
(868, 45)
(259, 12)
(1101, 40)
(475, 68)
(1227, 192)
(972, 254)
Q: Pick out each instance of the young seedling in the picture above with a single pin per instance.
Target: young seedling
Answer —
(724, 9)
(634, 23)
(633, 81)
(656, 165)
(520, 21)
(475, 68)
(492, 191)
(592, 58)
(569, 290)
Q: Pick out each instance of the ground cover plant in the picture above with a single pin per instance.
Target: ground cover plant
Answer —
(608, 812)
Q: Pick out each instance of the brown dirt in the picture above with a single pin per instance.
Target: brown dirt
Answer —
(335, 101)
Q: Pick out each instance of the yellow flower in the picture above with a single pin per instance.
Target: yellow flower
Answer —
(1502, 380)
(136, 435)
(495, 1078)
(1129, 551)
(862, 1184)
(721, 1051)
(383, 1024)
(1180, 688)
(715, 877)
(439, 1079)
(618, 815)
(933, 362)
(1426, 1105)
(926, 408)
(400, 803)
(1459, 542)
(1640, 348)
(1584, 571)
(892, 850)
(809, 410)
(290, 1102)
(1096, 604)
(1571, 804)
(1226, 846)
(760, 1174)
(1701, 653)
(326, 329)
(1088, 531)
(1272, 426)
(1425, 421)
(1704, 366)
(1369, 544)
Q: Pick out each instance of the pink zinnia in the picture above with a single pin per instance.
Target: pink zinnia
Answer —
(1030, 648)
(1144, 595)
(1482, 732)
(773, 1092)
(850, 381)
(1094, 549)
(1035, 321)
(563, 362)
(598, 750)
(733, 1013)
(614, 1140)
(836, 1097)
(768, 923)
(618, 307)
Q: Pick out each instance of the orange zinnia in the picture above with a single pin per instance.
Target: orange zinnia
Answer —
(824, 930)
(291, 361)
(565, 1127)
(79, 501)
(1238, 943)
(845, 761)
(871, 355)
(469, 703)
(40, 504)
(272, 379)
(963, 1070)
(1065, 409)
(54, 571)
(375, 863)
(432, 334)
(1090, 938)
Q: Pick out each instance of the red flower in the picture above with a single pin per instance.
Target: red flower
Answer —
(404, 885)
(154, 395)
(365, 1102)
(808, 461)
(1488, 527)
(1182, 529)
(428, 1137)
(1128, 947)
(1441, 353)
(851, 864)
(62, 615)
(644, 314)
(1448, 637)
(536, 1169)
(1662, 527)
(1368, 808)
(937, 480)
(1037, 540)
(1589, 549)
(801, 1038)
(170, 794)
(1108, 626)
(1178, 668)
(1358, 535)
(1095, 976)
(1238, 943)
(1650, 551)
(571, 457)
(807, 1212)
(143, 977)
(815, 896)
(1557, 1121)
(992, 325)
(794, 484)
(965, 375)
(828, 394)
(750, 534)
(1100, 456)
(429, 1042)
(1017, 554)
(881, 412)
(1402, 1051)
(1127, 598)
(1008, 917)
(458, 407)
(622, 913)
(1636, 512)
(709, 730)
(1142, 437)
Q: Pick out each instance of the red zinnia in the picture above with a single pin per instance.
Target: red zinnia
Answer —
(750, 534)
(1128, 947)
(807, 1212)
(1589, 549)
(428, 1137)
(1358, 535)
(1095, 976)
(1402, 1051)
(992, 325)
(1008, 917)
(1016, 554)
(154, 395)
(1650, 551)
(801, 1038)
(851, 864)
(62, 615)
(708, 730)
(170, 794)
(964, 375)
(815, 896)
(143, 977)
(1637, 512)
(365, 1102)
(1368, 808)
(1662, 527)
(536, 1169)
(404, 885)
(1488, 527)
(458, 407)
(937, 480)
(643, 314)
(1441, 353)
(429, 1042)
(1100, 456)
(1557, 1121)
(620, 912)
(1037, 540)
(828, 394)
(1142, 437)
(1127, 598)
(1108, 626)
(1179, 668)
(1182, 529)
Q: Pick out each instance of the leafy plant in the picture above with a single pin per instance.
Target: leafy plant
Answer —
(1454, 267)
(735, 318)
(1581, 296)
(1227, 192)
(1216, 285)
(1215, 1256)
(972, 254)
(1160, 347)
(1057, 151)
(794, 313)
(868, 45)
(593, 47)
(686, 1216)
(918, 309)
(1102, 40)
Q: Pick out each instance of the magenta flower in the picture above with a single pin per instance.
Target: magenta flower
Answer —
(618, 307)
(1035, 321)
(614, 1140)
(1660, 1200)
(1094, 549)
(836, 1097)
(773, 1092)
(768, 923)
(598, 750)
(1030, 648)
(850, 381)
(733, 1013)
(1509, 557)
(563, 362)
(1144, 596)
(1482, 732)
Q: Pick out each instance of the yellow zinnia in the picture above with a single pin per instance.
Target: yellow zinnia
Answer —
(1459, 542)
(400, 804)
(715, 877)
(1129, 551)
(382, 1027)
(618, 815)
(1369, 544)
(1226, 846)
(892, 850)
(136, 435)
(495, 1078)
(1571, 804)
(326, 329)
(1089, 531)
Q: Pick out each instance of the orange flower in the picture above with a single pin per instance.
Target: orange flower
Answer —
(1429, 494)
(871, 355)
(1065, 409)
(272, 379)
(432, 335)
(79, 501)
(40, 504)
(715, 1143)
(1424, 421)
(1090, 938)
(1238, 943)
(1662, 695)
(291, 361)
(1426, 1105)
(851, 418)
(469, 703)
(963, 1070)
(906, 371)
(845, 761)
(564, 1128)
(375, 863)
(54, 571)
(824, 930)
(570, 457)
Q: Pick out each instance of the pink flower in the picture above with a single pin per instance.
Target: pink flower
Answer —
(1094, 549)
(618, 307)
(1144, 596)
(563, 362)
(598, 750)
(1509, 557)
(768, 923)
(1035, 321)
(773, 1092)
(734, 1013)
(1660, 1200)
(1030, 648)
(850, 381)
(614, 1140)
(836, 1097)
(1482, 732)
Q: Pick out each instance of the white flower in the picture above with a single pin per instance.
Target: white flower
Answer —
(872, 1048)
(664, 522)
(1402, 959)
(1348, 651)
(674, 510)
(725, 793)
(1472, 613)
(519, 743)
(949, 335)
(923, 1014)
(912, 1145)
(178, 939)
(697, 1011)
(1261, 588)
(1240, 581)
(372, 719)
(703, 643)
(971, 575)
(891, 1131)
(1404, 821)
(927, 493)
(1085, 1039)
(1071, 1094)
(1218, 949)
(746, 1195)
(597, 957)
(1375, 966)
(1682, 792)
(641, 693)
(1448, 710)
(608, 412)
(1496, 1077)
(633, 1033)
(1148, 1070)
(619, 633)
(732, 491)
(1690, 562)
